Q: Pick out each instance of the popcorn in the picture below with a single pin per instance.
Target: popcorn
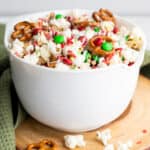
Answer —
(54, 49)
(104, 136)
(124, 146)
(33, 59)
(109, 147)
(17, 46)
(73, 141)
(107, 26)
(62, 22)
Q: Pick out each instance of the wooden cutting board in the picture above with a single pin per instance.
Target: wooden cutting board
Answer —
(133, 124)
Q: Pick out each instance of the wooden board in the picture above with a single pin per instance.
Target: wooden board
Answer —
(129, 125)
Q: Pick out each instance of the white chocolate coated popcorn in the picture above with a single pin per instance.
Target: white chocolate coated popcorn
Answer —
(109, 147)
(104, 136)
(73, 141)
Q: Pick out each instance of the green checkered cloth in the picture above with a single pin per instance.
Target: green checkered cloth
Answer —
(11, 112)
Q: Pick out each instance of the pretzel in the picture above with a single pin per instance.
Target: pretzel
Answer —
(48, 145)
(43, 145)
(34, 147)
(97, 49)
(23, 31)
(104, 15)
(84, 23)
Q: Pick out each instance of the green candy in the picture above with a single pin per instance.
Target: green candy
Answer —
(58, 16)
(127, 37)
(96, 29)
(96, 58)
(58, 39)
(87, 56)
(107, 46)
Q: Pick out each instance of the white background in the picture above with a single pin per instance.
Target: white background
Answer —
(128, 7)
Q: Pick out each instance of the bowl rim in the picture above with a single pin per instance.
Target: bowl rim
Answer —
(38, 14)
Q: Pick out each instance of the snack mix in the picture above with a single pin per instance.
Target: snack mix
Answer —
(76, 41)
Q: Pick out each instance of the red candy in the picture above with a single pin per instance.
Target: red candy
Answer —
(98, 42)
(83, 40)
(115, 30)
(119, 49)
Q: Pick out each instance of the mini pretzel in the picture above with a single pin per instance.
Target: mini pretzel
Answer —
(48, 145)
(85, 23)
(97, 49)
(104, 15)
(34, 147)
(23, 31)
(43, 145)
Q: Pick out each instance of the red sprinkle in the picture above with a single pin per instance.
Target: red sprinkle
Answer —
(69, 41)
(35, 43)
(62, 45)
(119, 49)
(65, 60)
(139, 142)
(115, 30)
(36, 31)
(98, 41)
(144, 131)
(130, 63)
(108, 58)
(48, 36)
(69, 18)
(83, 40)
(81, 28)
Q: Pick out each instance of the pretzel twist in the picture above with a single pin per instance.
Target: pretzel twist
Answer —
(104, 15)
(23, 31)
(43, 145)
(84, 23)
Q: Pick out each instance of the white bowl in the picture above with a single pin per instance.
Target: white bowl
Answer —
(74, 100)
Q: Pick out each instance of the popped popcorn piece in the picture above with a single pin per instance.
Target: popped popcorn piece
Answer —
(135, 33)
(73, 141)
(115, 59)
(130, 55)
(109, 147)
(29, 48)
(89, 33)
(123, 31)
(54, 49)
(44, 52)
(40, 38)
(17, 46)
(104, 136)
(125, 146)
(33, 59)
(62, 66)
(107, 26)
(62, 22)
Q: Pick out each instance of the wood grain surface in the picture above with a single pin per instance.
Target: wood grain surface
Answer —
(133, 124)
